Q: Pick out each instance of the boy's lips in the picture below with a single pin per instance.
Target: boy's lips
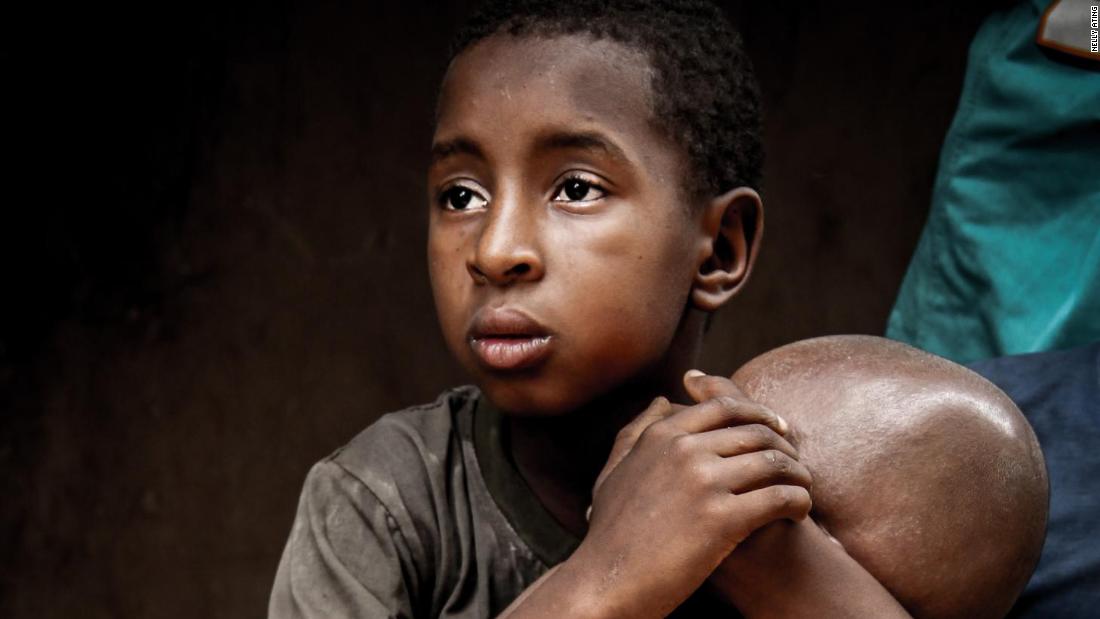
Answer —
(508, 339)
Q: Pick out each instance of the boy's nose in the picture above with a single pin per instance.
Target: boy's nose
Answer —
(507, 250)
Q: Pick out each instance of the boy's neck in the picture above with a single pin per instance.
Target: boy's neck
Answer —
(560, 457)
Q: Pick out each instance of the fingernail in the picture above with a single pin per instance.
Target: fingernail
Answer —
(694, 373)
(588, 514)
(783, 427)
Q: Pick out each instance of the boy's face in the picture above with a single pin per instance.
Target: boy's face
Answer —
(552, 192)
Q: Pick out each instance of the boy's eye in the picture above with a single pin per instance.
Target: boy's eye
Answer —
(578, 190)
(459, 198)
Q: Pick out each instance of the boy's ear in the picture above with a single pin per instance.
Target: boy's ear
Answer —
(734, 224)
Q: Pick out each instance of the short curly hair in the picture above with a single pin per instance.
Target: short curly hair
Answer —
(705, 93)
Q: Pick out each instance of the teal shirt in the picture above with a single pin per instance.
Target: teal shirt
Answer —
(1009, 260)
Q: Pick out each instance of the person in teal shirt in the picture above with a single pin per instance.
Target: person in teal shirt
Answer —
(1009, 260)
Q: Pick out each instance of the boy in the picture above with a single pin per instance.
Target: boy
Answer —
(591, 204)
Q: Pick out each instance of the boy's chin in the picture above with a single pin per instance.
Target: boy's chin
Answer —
(531, 395)
(551, 390)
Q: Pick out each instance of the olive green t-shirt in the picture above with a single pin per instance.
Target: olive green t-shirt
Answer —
(422, 515)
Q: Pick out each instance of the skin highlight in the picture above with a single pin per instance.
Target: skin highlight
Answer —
(927, 473)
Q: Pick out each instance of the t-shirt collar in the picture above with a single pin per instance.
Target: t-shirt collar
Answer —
(551, 542)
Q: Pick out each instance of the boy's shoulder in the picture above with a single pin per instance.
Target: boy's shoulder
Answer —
(410, 445)
(400, 522)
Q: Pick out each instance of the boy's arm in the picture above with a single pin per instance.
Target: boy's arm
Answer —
(794, 570)
(814, 578)
(669, 510)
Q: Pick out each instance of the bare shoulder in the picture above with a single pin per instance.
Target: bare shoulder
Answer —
(926, 472)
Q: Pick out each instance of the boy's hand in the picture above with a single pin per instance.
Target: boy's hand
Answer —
(684, 486)
(792, 570)
(701, 387)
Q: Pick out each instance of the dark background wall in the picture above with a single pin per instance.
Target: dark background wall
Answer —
(214, 274)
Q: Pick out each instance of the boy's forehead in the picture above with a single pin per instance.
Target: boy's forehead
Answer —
(515, 85)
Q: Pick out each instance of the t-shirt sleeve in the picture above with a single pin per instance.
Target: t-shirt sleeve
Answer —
(346, 556)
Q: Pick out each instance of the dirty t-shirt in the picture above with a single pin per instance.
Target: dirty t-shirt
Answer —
(423, 515)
